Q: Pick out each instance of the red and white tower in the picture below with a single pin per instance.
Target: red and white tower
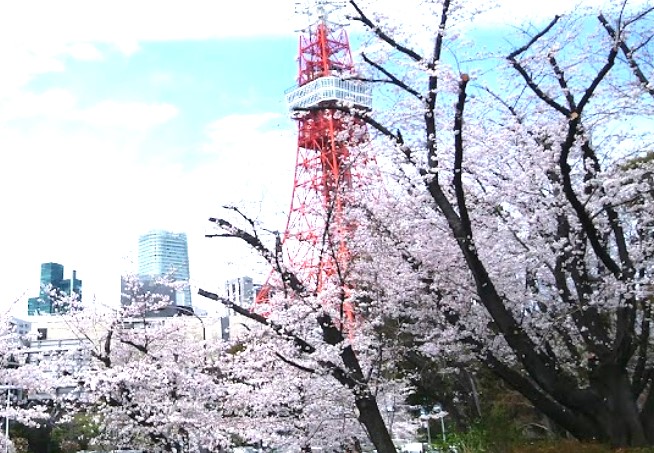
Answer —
(328, 162)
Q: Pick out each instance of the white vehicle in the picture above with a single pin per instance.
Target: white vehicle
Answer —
(413, 447)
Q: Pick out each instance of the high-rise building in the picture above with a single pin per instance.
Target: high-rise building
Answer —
(149, 297)
(165, 254)
(241, 291)
(54, 291)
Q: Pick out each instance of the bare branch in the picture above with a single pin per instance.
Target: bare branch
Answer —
(253, 241)
(510, 108)
(383, 36)
(432, 94)
(639, 16)
(560, 77)
(392, 79)
(610, 61)
(138, 347)
(277, 328)
(106, 357)
(294, 364)
(628, 53)
(527, 77)
(535, 38)
(438, 45)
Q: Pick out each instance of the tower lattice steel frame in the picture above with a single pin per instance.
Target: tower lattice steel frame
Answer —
(326, 168)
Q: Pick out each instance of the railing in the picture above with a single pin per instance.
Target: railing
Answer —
(330, 89)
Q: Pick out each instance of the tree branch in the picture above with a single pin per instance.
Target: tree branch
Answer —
(458, 156)
(294, 364)
(587, 224)
(277, 328)
(363, 18)
(139, 347)
(580, 424)
(253, 241)
(392, 78)
(560, 77)
(640, 377)
(432, 94)
(535, 38)
(628, 53)
(528, 78)
(610, 61)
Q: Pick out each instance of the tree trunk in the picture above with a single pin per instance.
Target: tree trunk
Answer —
(647, 415)
(371, 418)
(620, 419)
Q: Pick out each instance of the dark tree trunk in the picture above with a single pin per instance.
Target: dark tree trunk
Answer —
(371, 418)
(647, 415)
(620, 418)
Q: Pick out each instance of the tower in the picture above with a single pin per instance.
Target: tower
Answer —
(328, 162)
(165, 254)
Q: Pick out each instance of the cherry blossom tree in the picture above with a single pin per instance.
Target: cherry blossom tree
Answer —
(24, 383)
(156, 383)
(312, 339)
(163, 384)
(519, 237)
(513, 232)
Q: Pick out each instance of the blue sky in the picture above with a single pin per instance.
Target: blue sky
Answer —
(108, 133)
(117, 117)
(203, 80)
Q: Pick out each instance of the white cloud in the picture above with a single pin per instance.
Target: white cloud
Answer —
(127, 115)
(84, 51)
(124, 21)
(253, 169)
(255, 156)
(78, 195)
(61, 106)
(54, 103)
(70, 191)
(35, 35)
(516, 12)
(229, 132)
(22, 63)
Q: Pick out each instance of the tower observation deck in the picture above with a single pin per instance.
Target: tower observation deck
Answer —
(329, 90)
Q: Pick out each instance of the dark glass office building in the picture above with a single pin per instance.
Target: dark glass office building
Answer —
(55, 291)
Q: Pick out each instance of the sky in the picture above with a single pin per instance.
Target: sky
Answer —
(119, 117)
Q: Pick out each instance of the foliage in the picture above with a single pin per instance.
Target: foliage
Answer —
(76, 434)
(21, 445)
(572, 446)
(495, 433)
(513, 235)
